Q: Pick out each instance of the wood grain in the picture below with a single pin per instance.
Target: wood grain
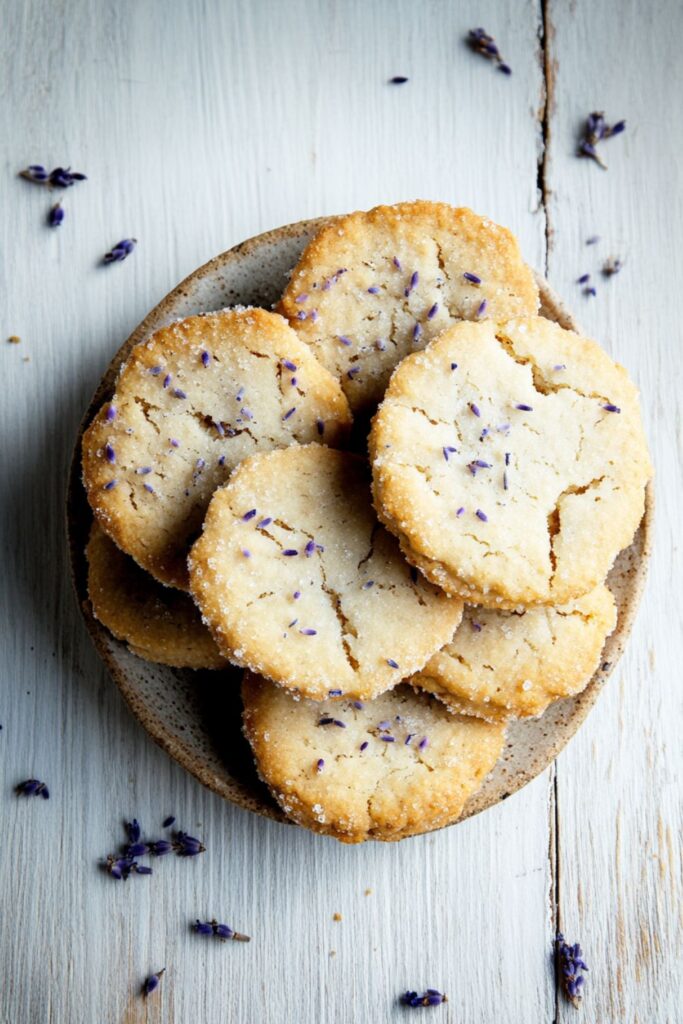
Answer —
(199, 125)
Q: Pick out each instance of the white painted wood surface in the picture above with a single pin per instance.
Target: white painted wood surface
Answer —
(200, 125)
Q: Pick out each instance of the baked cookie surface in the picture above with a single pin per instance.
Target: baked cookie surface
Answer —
(509, 459)
(374, 286)
(190, 403)
(386, 769)
(299, 582)
(158, 623)
(504, 665)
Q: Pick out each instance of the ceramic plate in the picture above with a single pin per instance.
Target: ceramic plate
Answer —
(196, 716)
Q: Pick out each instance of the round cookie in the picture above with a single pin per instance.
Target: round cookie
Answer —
(393, 767)
(158, 623)
(299, 582)
(190, 403)
(373, 287)
(509, 458)
(504, 665)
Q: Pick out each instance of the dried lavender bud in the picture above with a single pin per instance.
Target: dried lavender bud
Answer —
(596, 130)
(55, 215)
(35, 173)
(120, 251)
(569, 967)
(584, 279)
(612, 266)
(187, 846)
(220, 931)
(151, 983)
(141, 869)
(160, 847)
(64, 177)
(133, 830)
(167, 822)
(428, 998)
(398, 80)
(481, 42)
(136, 850)
(32, 787)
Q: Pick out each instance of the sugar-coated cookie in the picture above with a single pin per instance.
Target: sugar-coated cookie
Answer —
(190, 403)
(158, 623)
(299, 582)
(503, 665)
(373, 287)
(510, 460)
(384, 769)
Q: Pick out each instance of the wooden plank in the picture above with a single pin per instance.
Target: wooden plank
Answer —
(200, 125)
(619, 800)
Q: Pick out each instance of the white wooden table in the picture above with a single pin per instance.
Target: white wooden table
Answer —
(199, 125)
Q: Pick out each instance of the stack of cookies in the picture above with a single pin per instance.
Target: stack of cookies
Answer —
(392, 614)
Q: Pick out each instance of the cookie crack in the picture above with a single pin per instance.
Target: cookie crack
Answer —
(540, 382)
(146, 409)
(345, 627)
(371, 549)
(554, 519)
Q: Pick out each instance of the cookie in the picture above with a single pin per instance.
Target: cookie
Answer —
(191, 403)
(158, 623)
(509, 458)
(504, 665)
(373, 287)
(299, 582)
(386, 769)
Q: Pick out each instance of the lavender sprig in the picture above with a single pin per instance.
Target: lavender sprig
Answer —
(431, 997)
(120, 251)
(125, 863)
(570, 966)
(32, 787)
(152, 983)
(481, 42)
(220, 931)
(59, 177)
(596, 130)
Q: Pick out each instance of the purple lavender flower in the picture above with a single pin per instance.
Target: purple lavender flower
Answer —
(152, 983)
(120, 251)
(398, 80)
(133, 830)
(187, 846)
(481, 42)
(206, 358)
(220, 931)
(320, 764)
(55, 215)
(392, 663)
(472, 278)
(59, 177)
(596, 130)
(32, 787)
(431, 997)
(569, 966)
(584, 279)
(481, 515)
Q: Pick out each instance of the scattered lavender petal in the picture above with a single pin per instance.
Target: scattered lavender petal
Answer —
(481, 515)
(472, 278)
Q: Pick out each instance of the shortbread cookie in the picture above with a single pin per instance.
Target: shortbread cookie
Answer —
(503, 665)
(299, 582)
(509, 458)
(389, 768)
(157, 623)
(373, 287)
(189, 405)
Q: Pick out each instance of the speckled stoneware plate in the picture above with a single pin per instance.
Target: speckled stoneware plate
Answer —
(196, 716)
